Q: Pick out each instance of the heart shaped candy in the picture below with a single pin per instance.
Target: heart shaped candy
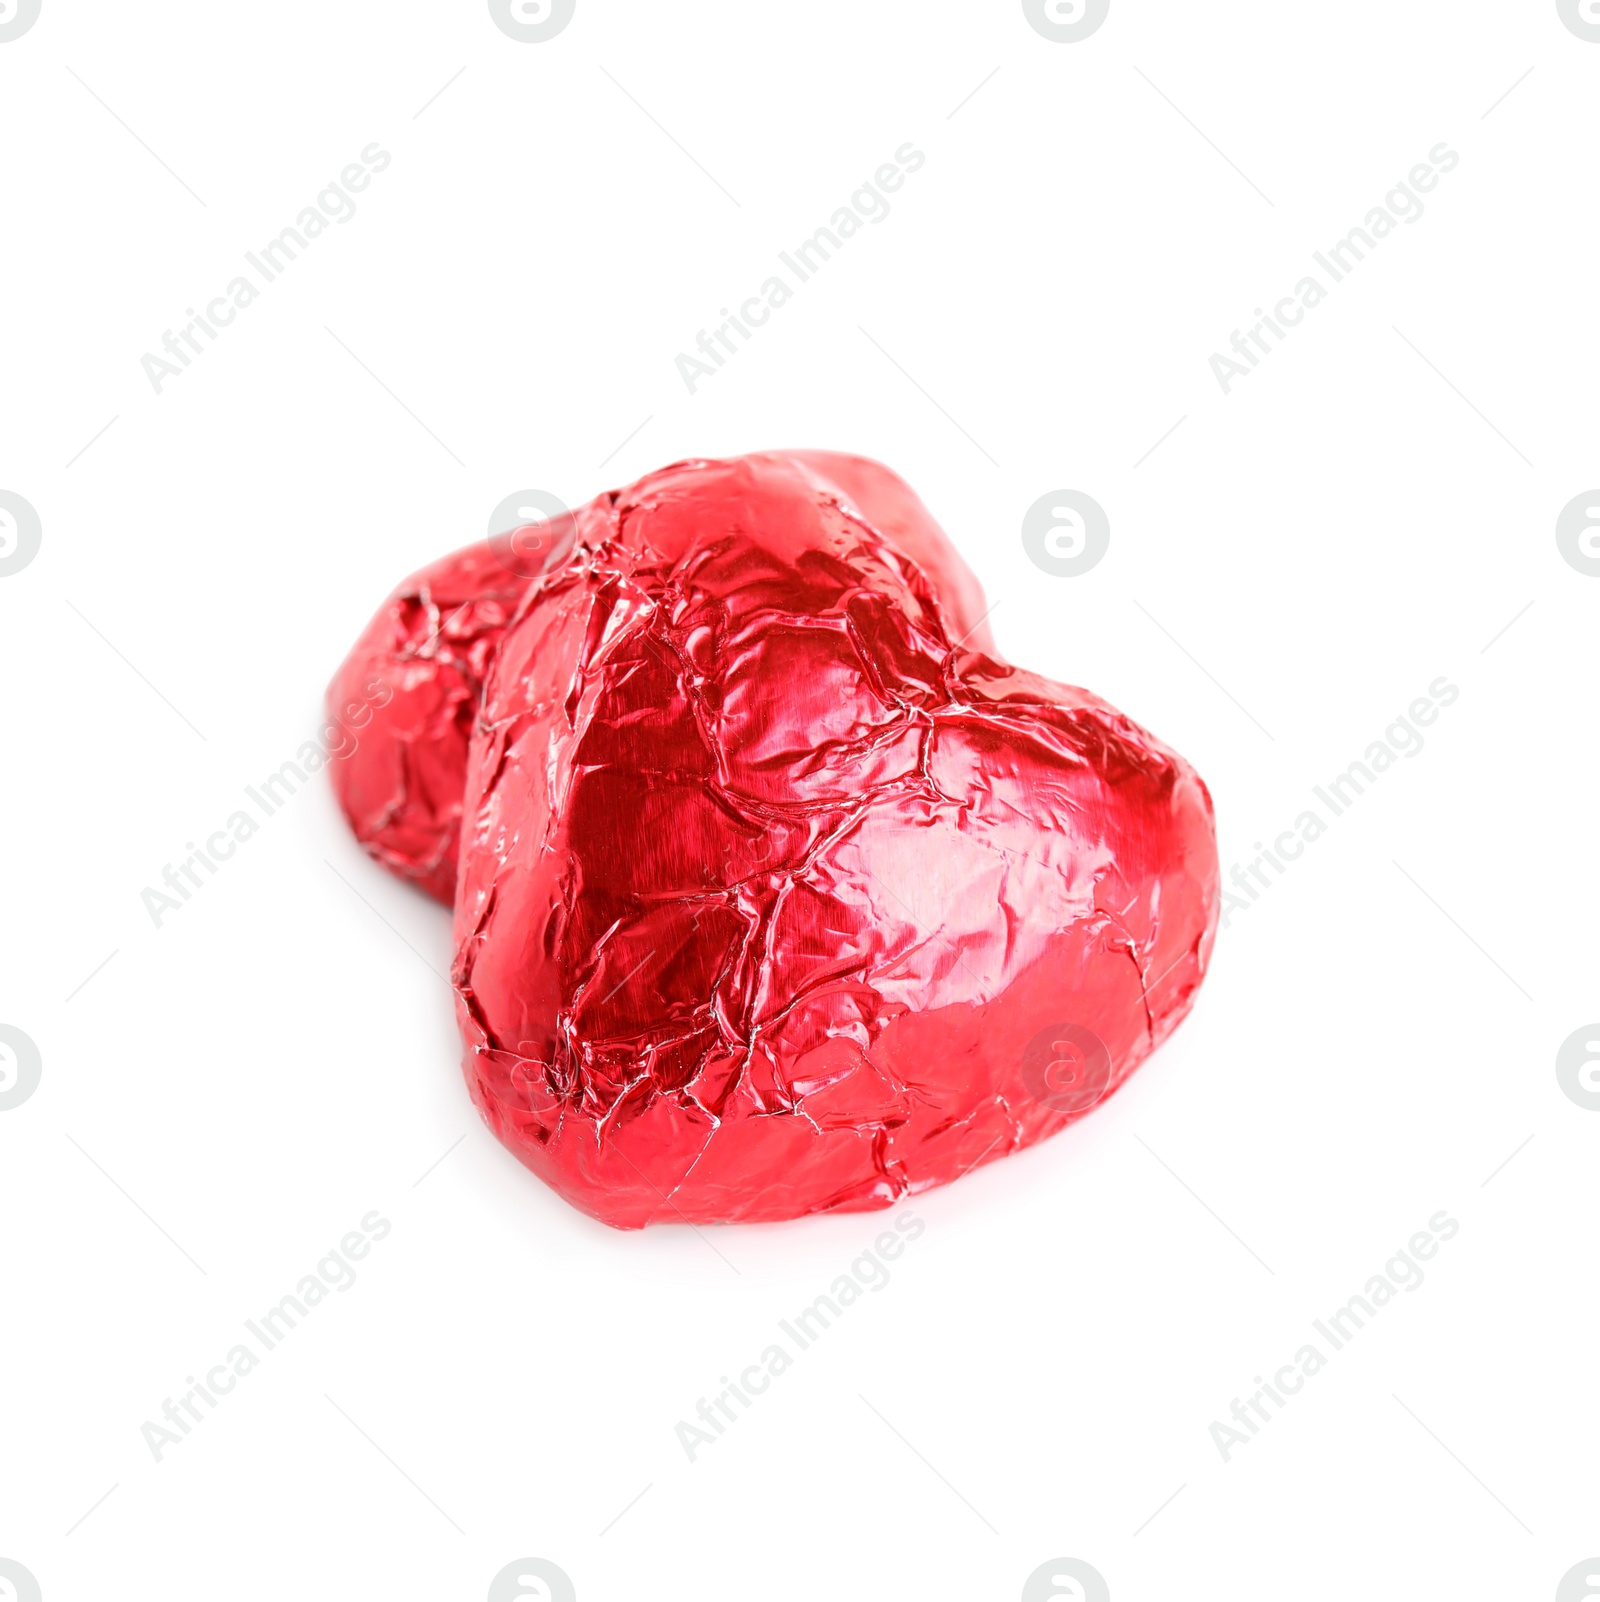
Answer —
(775, 896)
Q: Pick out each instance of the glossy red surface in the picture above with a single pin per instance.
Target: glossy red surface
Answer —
(776, 894)
(430, 644)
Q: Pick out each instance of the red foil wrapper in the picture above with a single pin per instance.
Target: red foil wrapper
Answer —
(778, 892)
(431, 642)
(429, 646)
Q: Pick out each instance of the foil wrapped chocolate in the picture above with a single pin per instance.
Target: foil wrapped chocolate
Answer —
(777, 892)
(430, 644)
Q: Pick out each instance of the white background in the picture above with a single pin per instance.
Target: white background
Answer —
(228, 1094)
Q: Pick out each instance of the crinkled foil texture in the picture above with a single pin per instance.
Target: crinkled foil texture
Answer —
(429, 647)
(431, 642)
(771, 876)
